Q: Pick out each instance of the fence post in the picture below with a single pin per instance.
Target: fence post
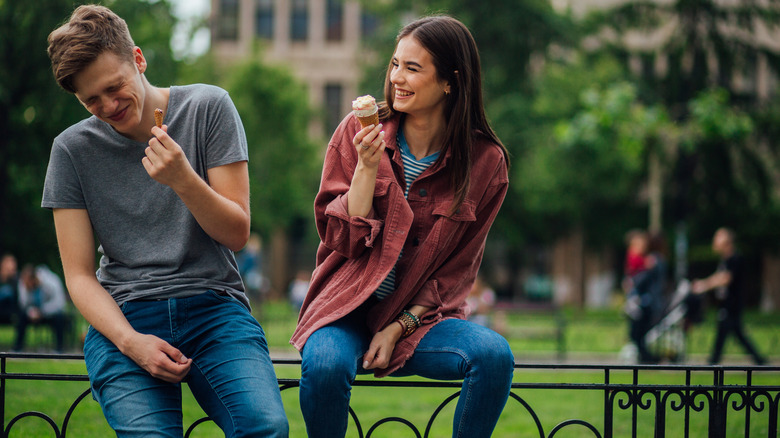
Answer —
(718, 408)
(607, 406)
(2, 394)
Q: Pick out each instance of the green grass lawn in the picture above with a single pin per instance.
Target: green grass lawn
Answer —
(600, 333)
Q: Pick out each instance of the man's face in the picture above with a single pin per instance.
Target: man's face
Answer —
(7, 267)
(112, 89)
(721, 242)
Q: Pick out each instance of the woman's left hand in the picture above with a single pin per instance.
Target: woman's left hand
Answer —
(382, 346)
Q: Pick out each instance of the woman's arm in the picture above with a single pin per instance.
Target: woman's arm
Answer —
(370, 145)
(77, 250)
(343, 207)
(383, 343)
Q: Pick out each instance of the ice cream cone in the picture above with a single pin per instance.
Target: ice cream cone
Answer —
(158, 117)
(366, 110)
(369, 120)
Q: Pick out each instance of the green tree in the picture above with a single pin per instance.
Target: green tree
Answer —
(705, 44)
(33, 109)
(589, 176)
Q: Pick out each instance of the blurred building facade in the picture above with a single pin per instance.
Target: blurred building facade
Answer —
(753, 77)
(319, 40)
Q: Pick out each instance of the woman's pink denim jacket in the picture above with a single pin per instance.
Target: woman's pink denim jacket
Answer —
(441, 253)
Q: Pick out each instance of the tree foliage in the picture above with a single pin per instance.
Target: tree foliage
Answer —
(725, 174)
(590, 172)
(284, 163)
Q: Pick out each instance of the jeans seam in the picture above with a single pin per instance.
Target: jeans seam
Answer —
(467, 360)
(207, 378)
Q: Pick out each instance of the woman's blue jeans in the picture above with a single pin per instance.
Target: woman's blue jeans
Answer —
(232, 376)
(453, 349)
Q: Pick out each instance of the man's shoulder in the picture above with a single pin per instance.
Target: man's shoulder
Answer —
(199, 91)
(83, 129)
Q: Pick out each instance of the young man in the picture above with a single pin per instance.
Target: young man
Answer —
(168, 206)
(727, 281)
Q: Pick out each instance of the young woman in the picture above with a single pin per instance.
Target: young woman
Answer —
(403, 212)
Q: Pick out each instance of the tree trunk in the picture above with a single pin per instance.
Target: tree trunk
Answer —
(568, 270)
(655, 192)
(770, 287)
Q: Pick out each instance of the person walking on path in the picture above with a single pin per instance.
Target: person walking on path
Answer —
(727, 281)
(169, 204)
(403, 211)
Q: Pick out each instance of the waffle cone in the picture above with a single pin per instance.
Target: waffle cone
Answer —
(158, 117)
(372, 119)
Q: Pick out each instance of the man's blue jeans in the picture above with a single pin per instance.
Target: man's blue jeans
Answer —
(453, 349)
(232, 376)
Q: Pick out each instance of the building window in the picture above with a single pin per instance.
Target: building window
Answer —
(369, 23)
(334, 20)
(227, 22)
(333, 113)
(299, 21)
(264, 19)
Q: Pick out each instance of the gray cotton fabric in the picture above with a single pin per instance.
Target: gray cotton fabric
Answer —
(151, 246)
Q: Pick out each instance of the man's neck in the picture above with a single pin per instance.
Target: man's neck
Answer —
(155, 98)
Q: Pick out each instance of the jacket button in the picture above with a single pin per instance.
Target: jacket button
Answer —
(423, 192)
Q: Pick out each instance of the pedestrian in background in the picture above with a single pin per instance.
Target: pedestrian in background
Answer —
(728, 283)
(9, 287)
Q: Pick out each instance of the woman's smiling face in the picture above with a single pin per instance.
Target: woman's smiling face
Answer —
(417, 88)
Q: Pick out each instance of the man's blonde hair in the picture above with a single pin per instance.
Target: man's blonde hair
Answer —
(91, 31)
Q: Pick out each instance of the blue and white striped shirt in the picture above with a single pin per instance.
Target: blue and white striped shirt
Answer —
(412, 169)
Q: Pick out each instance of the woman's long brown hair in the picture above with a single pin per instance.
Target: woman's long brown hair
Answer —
(456, 59)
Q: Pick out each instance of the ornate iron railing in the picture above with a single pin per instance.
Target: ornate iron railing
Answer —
(730, 392)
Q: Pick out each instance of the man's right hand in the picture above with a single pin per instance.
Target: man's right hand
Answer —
(158, 358)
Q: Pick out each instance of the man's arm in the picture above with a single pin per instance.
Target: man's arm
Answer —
(714, 281)
(221, 207)
(77, 250)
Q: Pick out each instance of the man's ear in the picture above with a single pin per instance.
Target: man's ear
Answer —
(139, 59)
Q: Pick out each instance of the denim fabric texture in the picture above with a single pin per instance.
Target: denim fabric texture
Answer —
(232, 376)
(453, 349)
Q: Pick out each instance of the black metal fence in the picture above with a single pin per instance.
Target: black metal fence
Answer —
(723, 394)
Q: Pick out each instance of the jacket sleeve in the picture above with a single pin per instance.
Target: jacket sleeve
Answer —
(348, 236)
(449, 285)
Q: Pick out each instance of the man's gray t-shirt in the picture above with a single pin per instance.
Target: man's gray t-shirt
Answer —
(151, 245)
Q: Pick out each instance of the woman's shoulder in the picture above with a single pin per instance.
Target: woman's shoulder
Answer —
(487, 154)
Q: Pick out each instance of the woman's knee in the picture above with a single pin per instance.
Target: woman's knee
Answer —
(320, 368)
(493, 354)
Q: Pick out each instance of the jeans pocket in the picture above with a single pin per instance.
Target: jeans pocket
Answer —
(221, 295)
